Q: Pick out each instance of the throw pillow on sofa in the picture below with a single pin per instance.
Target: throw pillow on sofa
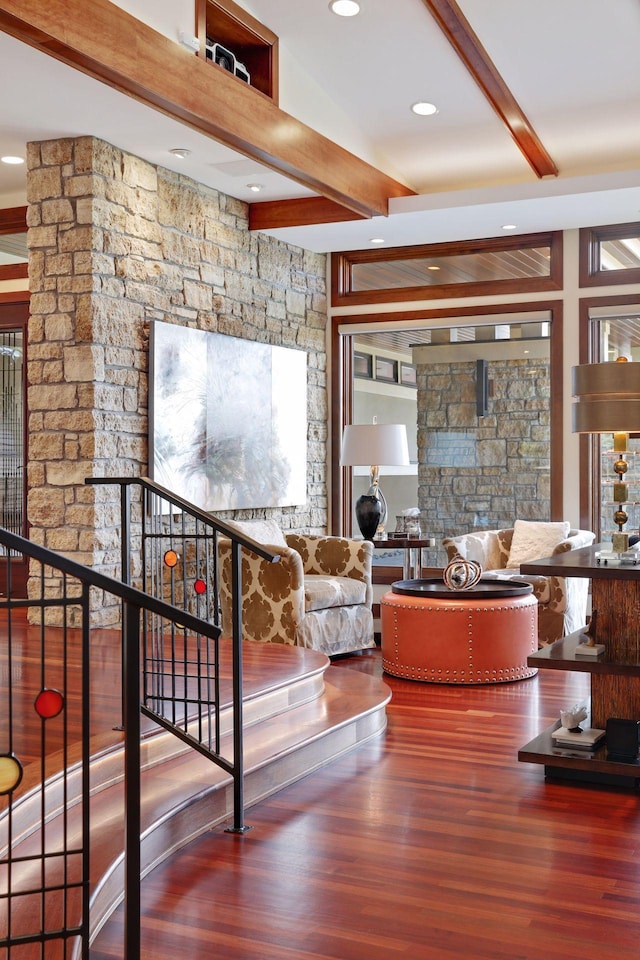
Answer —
(534, 539)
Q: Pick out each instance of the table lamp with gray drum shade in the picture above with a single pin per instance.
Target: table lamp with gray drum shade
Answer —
(608, 401)
(372, 444)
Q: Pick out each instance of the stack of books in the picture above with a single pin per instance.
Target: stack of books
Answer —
(586, 738)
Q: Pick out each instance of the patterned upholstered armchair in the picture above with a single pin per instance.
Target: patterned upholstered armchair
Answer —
(318, 595)
(562, 601)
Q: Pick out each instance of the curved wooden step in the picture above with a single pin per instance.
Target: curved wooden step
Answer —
(299, 716)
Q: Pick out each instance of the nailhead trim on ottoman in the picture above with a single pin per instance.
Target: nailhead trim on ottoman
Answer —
(458, 640)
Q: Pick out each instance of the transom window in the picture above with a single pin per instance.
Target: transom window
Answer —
(500, 265)
(610, 254)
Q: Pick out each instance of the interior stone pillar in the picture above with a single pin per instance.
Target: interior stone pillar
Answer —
(114, 243)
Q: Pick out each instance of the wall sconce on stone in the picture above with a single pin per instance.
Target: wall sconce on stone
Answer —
(482, 387)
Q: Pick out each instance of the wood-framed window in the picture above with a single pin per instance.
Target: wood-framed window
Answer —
(609, 326)
(610, 254)
(517, 264)
(13, 248)
(14, 317)
(342, 405)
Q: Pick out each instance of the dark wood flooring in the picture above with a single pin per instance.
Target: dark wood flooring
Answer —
(430, 842)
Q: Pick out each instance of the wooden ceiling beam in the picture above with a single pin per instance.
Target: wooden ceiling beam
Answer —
(108, 44)
(13, 220)
(465, 42)
(273, 214)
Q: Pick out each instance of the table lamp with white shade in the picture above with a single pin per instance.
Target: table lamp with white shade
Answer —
(373, 444)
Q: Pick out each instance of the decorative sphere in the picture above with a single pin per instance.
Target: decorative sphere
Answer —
(461, 574)
(620, 517)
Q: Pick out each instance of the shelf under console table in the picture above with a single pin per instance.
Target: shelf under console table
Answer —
(614, 675)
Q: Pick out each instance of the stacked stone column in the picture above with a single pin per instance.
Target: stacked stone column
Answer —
(115, 242)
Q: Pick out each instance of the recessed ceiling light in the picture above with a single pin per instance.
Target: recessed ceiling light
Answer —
(376, 240)
(433, 267)
(181, 152)
(424, 109)
(255, 187)
(344, 8)
(508, 226)
(15, 160)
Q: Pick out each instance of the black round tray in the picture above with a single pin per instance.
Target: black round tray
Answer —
(436, 588)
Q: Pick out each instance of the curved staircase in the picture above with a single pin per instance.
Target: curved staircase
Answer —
(300, 713)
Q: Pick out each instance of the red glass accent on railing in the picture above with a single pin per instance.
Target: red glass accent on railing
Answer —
(48, 703)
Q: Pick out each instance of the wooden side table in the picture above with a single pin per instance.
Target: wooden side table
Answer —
(615, 675)
(413, 547)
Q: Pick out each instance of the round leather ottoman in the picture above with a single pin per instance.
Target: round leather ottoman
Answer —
(483, 635)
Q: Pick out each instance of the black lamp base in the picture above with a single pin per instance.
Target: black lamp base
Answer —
(368, 514)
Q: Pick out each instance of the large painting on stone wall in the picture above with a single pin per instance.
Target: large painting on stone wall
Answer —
(227, 419)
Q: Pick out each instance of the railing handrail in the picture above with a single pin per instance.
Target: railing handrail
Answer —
(130, 595)
(219, 525)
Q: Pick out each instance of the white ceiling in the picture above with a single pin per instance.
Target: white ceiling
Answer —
(571, 65)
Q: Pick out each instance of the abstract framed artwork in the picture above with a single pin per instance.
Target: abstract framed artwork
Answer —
(227, 419)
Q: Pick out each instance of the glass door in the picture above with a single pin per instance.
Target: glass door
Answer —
(477, 402)
(13, 318)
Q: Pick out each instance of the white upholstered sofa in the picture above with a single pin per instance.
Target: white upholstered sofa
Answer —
(318, 595)
(562, 601)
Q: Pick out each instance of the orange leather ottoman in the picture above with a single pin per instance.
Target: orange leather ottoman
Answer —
(438, 635)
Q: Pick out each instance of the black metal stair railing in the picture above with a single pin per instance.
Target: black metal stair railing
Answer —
(170, 660)
(177, 546)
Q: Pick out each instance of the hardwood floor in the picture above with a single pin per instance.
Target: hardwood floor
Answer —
(299, 715)
(431, 841)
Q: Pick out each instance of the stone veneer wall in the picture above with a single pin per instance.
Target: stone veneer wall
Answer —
(115, 242)
(483, 472)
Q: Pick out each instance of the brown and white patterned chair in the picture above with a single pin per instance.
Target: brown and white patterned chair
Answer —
(318, 595)
(562, 601)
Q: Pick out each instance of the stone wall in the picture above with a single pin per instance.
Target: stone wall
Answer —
(115, 242)
(483, 472)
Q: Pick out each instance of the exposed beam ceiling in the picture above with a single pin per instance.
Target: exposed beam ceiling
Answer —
(109, 44)
(296, 213)
(543, 86)
(465, 42)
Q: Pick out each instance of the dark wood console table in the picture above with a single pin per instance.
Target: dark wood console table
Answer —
(615, 674)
